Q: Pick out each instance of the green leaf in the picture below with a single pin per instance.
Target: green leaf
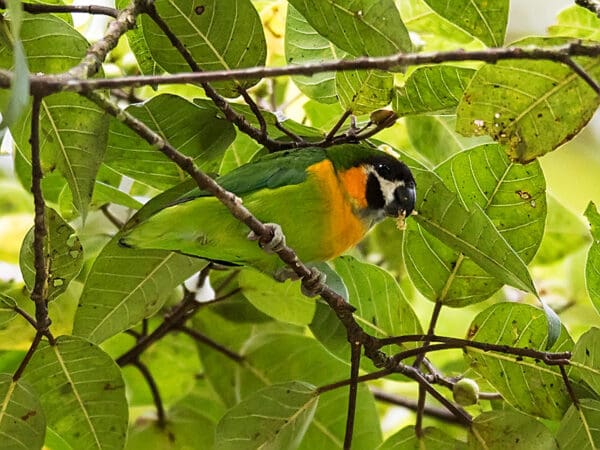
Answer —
(240, 152)
(480, 18)
(432, 89)
(527, 384)
(435, 139)
(592, 267)
(275, 417)
(276, 353)
(64, 254)
(7, 310)
(193, 129)
(219, 34)
(564, 234)
(22, 421)
(190, 424)
(82, 393)
(282, 301)
(531, 106)
(19, 93)
(303, 45)
(431, 439)
(382, 310)
(363, 91)
(434, 33)
(472, 233)
(586, 358)
(358, 27)
(493, 430)
(73, 130)
(576, 22)
(125, 286)
(579, 428)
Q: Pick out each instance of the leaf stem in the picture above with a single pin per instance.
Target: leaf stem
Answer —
(355, 348)
(160, 410)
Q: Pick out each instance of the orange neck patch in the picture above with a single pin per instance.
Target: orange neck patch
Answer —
(354, 181)
(343, 193)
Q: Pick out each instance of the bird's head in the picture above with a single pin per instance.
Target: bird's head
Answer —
(390, 188)
(380, 186)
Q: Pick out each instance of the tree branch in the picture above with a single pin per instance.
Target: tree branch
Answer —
(428, 410)
(40, 263)
(40, 8)
(212, 344)
(549, 358)
(352, 394)
(57, 83)
(160, 410)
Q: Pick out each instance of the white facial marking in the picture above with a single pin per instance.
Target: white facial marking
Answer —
(387, 187)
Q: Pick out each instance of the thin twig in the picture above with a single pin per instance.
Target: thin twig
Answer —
(361, 379)
(111, 217)
(428, 410)
(548, 357)
(40, 8)
(420, 410)
(32, 348)
(160, 410)
(255, 109)
(337, 125)
(430, 332)
(583, 74)
(569, 387)
(57, 83)
(25, 315)
(355, 348)
(211, 343)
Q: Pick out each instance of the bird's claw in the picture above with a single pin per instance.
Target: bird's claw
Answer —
(272, 244)
(312, 285)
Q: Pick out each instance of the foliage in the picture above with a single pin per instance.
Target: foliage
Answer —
(233, 359)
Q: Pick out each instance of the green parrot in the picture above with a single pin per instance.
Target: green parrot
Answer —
(324, 199)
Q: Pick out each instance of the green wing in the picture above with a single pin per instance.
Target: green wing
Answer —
(271, 171)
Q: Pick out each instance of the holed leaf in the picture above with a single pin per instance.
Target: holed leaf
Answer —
(531, 106)
(510, 196)
(527, 384)
(63, 251)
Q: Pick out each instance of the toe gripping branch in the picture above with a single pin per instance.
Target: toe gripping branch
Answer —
(272, 243)
(312, 284)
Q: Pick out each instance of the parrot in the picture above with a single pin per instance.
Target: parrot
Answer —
(324, 199)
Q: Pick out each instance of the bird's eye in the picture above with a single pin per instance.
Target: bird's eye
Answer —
(384, 171)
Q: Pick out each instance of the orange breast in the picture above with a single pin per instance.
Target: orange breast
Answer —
(342, 193)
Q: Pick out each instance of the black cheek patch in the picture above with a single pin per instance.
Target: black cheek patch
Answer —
(374, 195)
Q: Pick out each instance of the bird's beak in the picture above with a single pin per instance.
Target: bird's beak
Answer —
(403, 203)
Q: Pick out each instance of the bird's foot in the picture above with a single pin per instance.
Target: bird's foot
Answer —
(312, 284)
(272, 244)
